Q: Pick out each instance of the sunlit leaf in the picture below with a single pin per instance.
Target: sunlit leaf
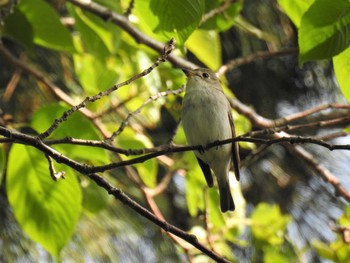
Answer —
(90, 41)
(148, 169)
(295, 9)
(344, 220)
(152, 80)
(341, 65)
(214, 212)
(206, 46)
(276, 254)
(269, 224)
(176, 19)
(223, 20)
(99, 37)
(324, 30)
(323, 249)
(75, 126)
(2, 162)
(97, 42)
(195, 184)
(94, 75)
(47, 28)
(47, 210)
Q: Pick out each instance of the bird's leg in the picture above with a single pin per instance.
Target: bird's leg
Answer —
(201, 149)
(217, 144)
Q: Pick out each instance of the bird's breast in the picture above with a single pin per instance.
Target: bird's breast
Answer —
(205, 117)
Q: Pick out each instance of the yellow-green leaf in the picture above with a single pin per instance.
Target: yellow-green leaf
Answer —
(341, 65)
(48, 211)
(206, 46)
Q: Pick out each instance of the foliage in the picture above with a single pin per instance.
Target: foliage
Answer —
(338, 250)
(47, 211)
(323, 33)
(94, 53)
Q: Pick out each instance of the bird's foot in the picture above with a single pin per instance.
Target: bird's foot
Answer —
(201, 149)
(217, 144)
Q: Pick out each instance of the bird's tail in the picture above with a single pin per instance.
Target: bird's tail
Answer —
(226, 200)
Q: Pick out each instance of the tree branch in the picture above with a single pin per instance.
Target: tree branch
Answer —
(252, 57)
(167, 49)
(136, 34)
(86, 169)
(118, 194)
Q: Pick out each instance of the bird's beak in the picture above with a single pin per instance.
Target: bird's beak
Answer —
(188, 72)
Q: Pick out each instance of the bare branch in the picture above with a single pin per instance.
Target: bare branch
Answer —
(320, 169)
(324, 123)
(302, 114)
(118, 194)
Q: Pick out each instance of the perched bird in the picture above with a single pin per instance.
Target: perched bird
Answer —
(206, 118)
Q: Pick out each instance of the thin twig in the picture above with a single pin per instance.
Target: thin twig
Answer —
(54, 175)
(220, 9)
(13, 83)
(324, 123)
(166, 51)
(128, 11)
(253, 57)
(302, 114)
(165, 149)
(138, 110)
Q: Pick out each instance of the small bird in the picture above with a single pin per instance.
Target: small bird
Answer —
(206, 118)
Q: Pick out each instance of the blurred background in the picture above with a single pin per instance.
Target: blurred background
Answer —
(275, 87)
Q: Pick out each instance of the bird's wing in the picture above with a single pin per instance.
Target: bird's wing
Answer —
(235, 149)
(206, 171)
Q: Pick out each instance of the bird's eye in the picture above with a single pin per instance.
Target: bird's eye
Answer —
(205, 75)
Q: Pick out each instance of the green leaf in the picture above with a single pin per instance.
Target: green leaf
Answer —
(195, 184)
(94, 75)
(147, 170)
(76, 126)
(323, 249)
(18, 28)
(48, 211)
(344, 220)
(176, 19)
(98, 41)
(95, 197)
(46, 25)
(207, 47)
(215, 215)
(277, 254)
(341, 65)
(269, 224)
(224, 20)
(99, 38)
(295, 9)
(324, 30)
